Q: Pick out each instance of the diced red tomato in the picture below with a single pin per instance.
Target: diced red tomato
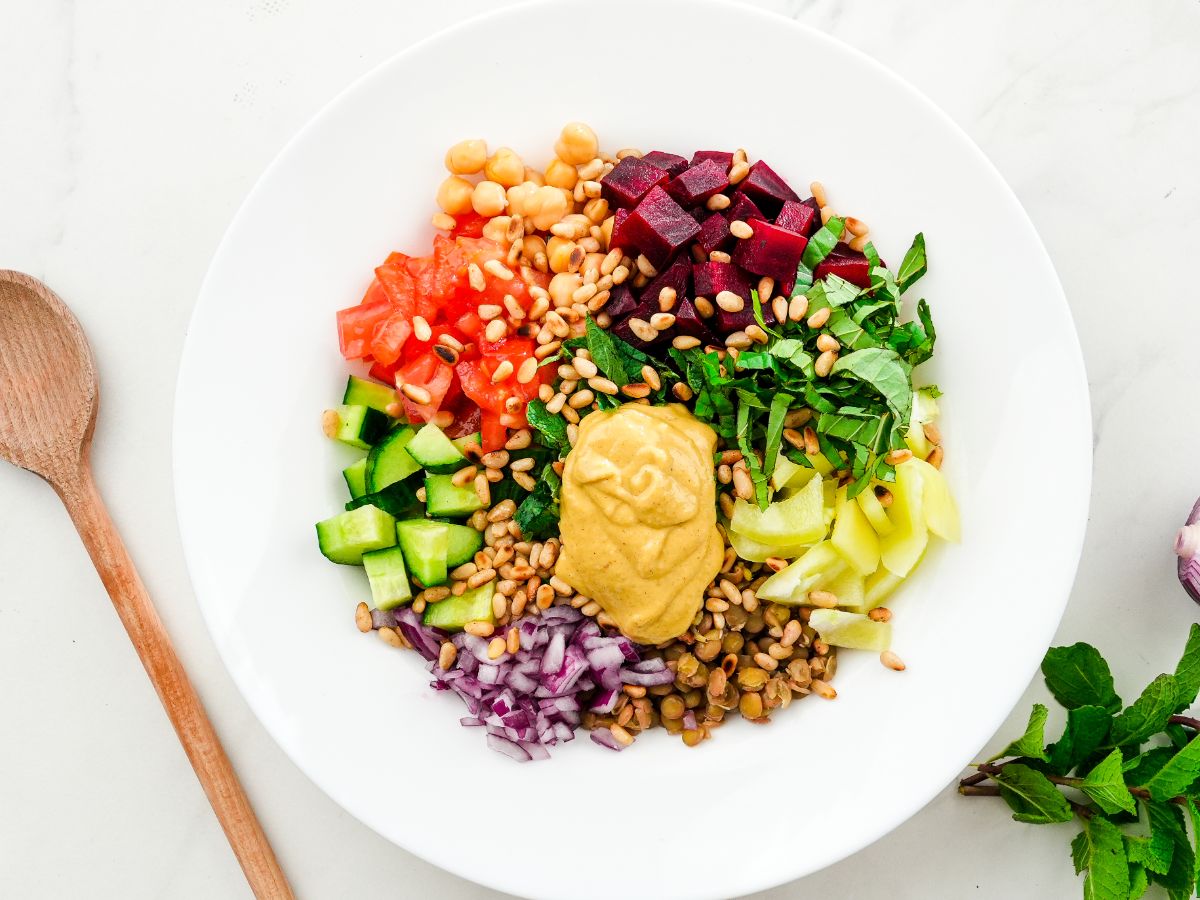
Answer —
(357, 324)
(398, 284)
(430, 373)
(492, 432)
(469, 225)
(389, 337)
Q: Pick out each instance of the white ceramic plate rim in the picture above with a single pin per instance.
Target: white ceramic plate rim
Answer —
(1079, 487)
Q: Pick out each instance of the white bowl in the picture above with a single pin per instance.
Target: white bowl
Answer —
(253, 472)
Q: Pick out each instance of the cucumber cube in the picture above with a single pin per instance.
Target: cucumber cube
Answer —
(347, 536)
(388, 577)
(463, 542)
(435, 452)
(358, 426)
(445, 498)
(453, 613)
(356, 478)
(424, 544)
(361, 392)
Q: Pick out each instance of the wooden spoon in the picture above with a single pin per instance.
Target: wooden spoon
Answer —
(48, 398)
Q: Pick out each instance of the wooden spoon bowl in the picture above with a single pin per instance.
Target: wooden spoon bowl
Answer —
(48, 401)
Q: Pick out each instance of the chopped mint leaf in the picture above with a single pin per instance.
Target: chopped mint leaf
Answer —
(551, 427)
(885, 372)
(780, 404)
(1144, 766)
(1078, 676)
(913, 266)
(1180, 878)
(1179, 774)
(1147, 715)
(1030, 743)
(1100, 851)
(821, 243)
(1187, 673)
(1085, 731)
(1154, 852)
(538, 513)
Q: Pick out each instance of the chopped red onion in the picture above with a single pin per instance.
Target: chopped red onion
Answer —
(381, 618)
(531, 699)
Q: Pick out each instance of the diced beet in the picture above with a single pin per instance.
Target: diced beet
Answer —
(697, 183)
(678, 275)
(688, 321)
(658, 226)
(802, 217)
(714, 232)
(668, 162)
(743, 318)
(621, 301)
(699, 213)
(770, 251)
(742, 208)
(719, 156)
(643, 311)
(766, 188)
(630, 181)
(710, 278)
(851, 265)
(617, 238)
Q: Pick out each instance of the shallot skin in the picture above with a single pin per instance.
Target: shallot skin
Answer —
(1187, 548)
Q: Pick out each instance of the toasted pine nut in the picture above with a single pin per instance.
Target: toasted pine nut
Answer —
(661, 321)
(503, 371)
(528, 371)
(895, 457)
(880, 614)
(823, 599)
(740, 229)
(892, 661)
(730, 302)
(824, 363)
(580, 399)
(416, 394)
(685, 342)
(603, 386)
(818, 193)
(936, 455)
(819, 318)
(797, 308)
(828, 342)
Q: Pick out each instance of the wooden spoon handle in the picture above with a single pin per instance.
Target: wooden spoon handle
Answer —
(229, 801)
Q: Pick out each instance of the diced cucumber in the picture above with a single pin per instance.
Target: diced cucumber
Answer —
(356, 478)
(347, 536)
(800, 519)
(361, 392)
(433, 450)
(453, 613)
(358, 426)
(461, 442)
(853, 536)
(462, 543)
(389, 462)
(424, 544)
(399, 499)
(812, 571)
(444, 498)
(388, 577)
(853, 630)
(901, 549)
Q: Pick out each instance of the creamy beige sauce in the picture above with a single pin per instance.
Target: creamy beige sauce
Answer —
(638, 517)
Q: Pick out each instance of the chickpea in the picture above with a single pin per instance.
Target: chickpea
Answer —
(518, 197)
(562, 286)
(505, 167)
(559, 251)
(547, 207)
(577, 144)
(535, 176)
(466, 157)
(561, 175)
(488, 198)
(454, 195)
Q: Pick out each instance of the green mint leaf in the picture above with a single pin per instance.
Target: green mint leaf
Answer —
(1180, 878)
(780, 404)
(821, 243)
(1031, 795)
(1145, 766)
(757, 476)
(872, 254)
(838, 291)
(608, 359)
(913, 266)
(1179, 773)
(853, 424)
(791, 350)
(1085, 731)
(1139, 881)
(551, 427)
(885, 372)
(538, 513)
(1100, 850)
(1153, 852)
(1030, 743)
(1106, 785)
(1187, 673)
(1078, 676)
(1194, 815)
(1147, 715)
(849, 332)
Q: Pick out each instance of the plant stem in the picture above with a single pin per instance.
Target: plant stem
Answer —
(1186, 722)
(971, 790)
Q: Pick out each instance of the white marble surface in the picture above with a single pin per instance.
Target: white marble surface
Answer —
(131, 131)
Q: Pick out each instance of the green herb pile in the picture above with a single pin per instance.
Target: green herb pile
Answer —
(1130, 774)
(861, 410)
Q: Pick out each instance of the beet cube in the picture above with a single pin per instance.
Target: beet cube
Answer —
(719, 156)
(630, 181)
(668, 162)
(658, 226)
(617, 238)
(621, 301)
(742, 208)
(688, 321)
(677, 276)
(697, 183)
(741, 320)
(771, 250)
(714, 232)
(710, 278)
(851, 265)
(766, 188)
(803, 217)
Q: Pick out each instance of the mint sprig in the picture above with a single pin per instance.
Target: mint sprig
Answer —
(1131, 776)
